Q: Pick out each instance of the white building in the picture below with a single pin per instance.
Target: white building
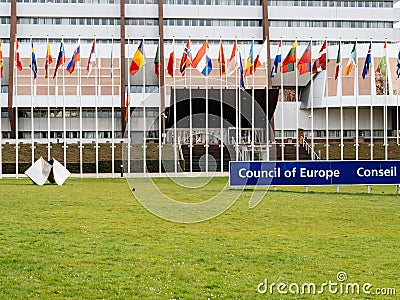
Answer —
(179, 20)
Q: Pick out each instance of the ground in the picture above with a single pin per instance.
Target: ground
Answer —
(91, 239)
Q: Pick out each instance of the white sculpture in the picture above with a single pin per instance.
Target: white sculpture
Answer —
(41, 170)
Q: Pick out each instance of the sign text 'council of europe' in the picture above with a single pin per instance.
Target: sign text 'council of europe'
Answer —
(256, 173)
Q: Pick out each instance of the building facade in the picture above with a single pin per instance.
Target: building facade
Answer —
(90, 108)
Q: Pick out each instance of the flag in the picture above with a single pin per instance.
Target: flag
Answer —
(75, 60)
(33, 62)
(1, 61)
(261, 56)
(320, 63)
(221, 60)
(232, 60)
(352, 61)
(171, 64)
(157, 62)
(304, 65)
(49, 60)
(92, 58)
(111, 62)
(382, 63)
(367, 62)
(290, 60)
(202, 62)
(398, 66)
(248, 70)
(338, 63)
(60, 59)
(138, 59)
(186, 58)
(277, 61)
(242, 87)
(17, 58)
(127, 104)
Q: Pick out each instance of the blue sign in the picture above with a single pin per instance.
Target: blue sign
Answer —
(260, 173)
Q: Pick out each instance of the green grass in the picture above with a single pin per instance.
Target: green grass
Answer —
(91, 239)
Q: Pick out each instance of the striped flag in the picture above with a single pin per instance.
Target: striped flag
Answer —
(338, 63)
(92, 58)
(277, 61)
(382, 63)
(157, 62)
(33, 62)
(186, 58)
(49, 60)
(221, 60)
(320, 63)
(138, 60)
(60, 59)
(290, 60)
(398, 66)
(304, 65)
(17, 58)
(232, 65)
(1, 61)
(352, 61)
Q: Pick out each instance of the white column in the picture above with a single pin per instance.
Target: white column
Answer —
(356, 96)
(112, 108)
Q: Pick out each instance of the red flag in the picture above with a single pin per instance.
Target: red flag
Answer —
(186, 58)
(221, 60)
(232, 65)
(320, 63)
(304, 64)
(1, 61)
(171, 64)
(17, 59)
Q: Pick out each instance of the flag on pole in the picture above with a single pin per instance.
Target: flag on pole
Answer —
(338, 63)
(138, 59)
(398, 66)
(126, 104)
(92, 58)
(1, 61)
(33, 62)
(367, 62)
(290, 60)
(232, 60)
(277, 61)
(261, 57)
(242, 87)
(157, 62)
(49, 60)
(75, 60)
(171, 64)
(382, 63)
(60, 59)
(320, 63)
(352, 61)
(186, 58)
(304, 65)
(17, 58)
(202, 62)
(248, 70)
(111, 62)
(221, 60)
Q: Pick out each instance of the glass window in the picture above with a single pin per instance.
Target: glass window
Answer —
(208, 23)
(96, 21)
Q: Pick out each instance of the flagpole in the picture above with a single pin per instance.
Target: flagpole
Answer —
(282, 118)
(221, 108)
(112, 108)
(64, 118)
(160, 115)
(96, 82)
(385, 118)
(80, 117)
(371, 109)
(252, 106)
(128, 94)
(16, 115)
(356, 96)
(267, 100)
(190, 118)
(340, 80)
(33, 81)
(312, 105)
(236, 108)
(207, 133)
(297, 104)
(175, 131)
(327, 107)
(144, 112)
(48, 101)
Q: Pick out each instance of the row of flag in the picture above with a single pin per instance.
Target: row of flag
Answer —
(203, 63)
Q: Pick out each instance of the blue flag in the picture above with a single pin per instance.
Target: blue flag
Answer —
(367, 62)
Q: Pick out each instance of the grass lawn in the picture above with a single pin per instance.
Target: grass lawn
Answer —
(91, 239)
